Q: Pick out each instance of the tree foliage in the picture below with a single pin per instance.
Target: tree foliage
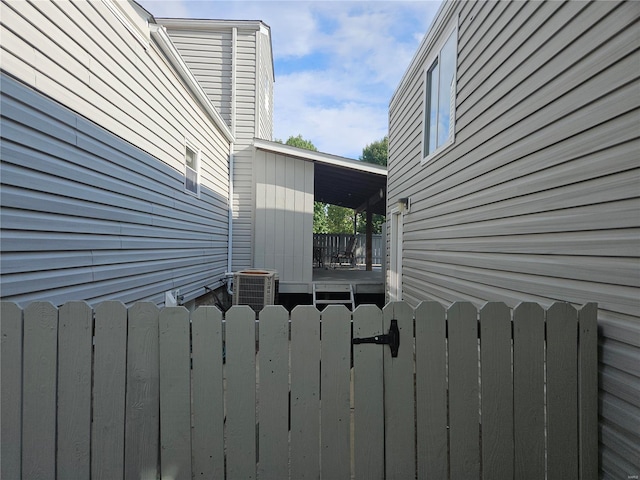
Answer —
(376, 152)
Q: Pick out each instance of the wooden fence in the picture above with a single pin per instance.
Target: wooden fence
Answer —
(332, 244)
(144, 393)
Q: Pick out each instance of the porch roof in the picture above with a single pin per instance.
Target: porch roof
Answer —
(339, 180)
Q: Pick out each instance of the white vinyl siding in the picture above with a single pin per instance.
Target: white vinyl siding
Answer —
(537, 199)
(232, 60)
(80, 56)
(284, 216)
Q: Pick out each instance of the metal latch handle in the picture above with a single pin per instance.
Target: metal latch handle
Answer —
(392, 339)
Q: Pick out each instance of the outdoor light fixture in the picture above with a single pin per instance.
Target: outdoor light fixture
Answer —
(405, 204)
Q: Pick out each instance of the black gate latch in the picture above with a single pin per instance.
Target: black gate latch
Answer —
(392, 339)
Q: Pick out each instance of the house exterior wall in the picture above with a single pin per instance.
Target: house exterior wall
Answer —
(536, 199)
(233, 61)
(94, 126)
(284, 216)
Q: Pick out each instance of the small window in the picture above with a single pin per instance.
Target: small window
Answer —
(440, 98)
(192, 170)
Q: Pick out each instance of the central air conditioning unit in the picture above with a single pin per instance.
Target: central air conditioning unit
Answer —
(255, 288)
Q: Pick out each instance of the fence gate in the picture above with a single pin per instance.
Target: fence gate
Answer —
(398, 393)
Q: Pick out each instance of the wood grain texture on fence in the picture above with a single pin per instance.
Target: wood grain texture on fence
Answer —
(139, 392)
(11, 391)
(398, 387)
(464, 399)
(588, 389)
(208, 393)
(241, 392)
(305, 393)
(39, 390)
(109, 386)
(368, 391)
(562, 392)
(273, 438)
(142, 426)
(496, 392)
(75, 345)
(335, 425)
(431, 391)
(528, 391)
(175, 393)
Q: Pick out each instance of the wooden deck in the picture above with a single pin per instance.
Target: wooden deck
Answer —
(362, 280)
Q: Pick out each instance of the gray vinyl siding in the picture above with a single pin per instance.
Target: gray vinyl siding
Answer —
(538, 198)
(210, 52)
(104, 131)
(284, 216)
(87, 216)
(209, 55)
(265, 88)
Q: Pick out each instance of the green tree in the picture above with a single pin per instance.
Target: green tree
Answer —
(376, 152)
(300, 143)
(339, 219)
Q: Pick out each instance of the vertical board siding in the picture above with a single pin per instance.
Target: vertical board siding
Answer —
(284, 216)
(93, 132)
(536, 199)
(282, 409)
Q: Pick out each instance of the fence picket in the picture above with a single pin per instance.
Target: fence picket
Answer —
(335, 425)
(497, 392)
(463, 391)
(368, 395)
(562, 394)
(241, 392)
(399, 398)
(75, 338)
(431, 391)
(208, 396)
(142, 427)
(175, 393)
(39, 391)
(588, 390)
(11, 391)
(273, 437)
(305, 393)
(528, 391)
(110, 369)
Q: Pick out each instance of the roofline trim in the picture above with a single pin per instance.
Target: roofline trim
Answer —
(319, 157)
(161, 37)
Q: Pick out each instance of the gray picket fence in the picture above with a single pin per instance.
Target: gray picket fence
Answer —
(145, 393)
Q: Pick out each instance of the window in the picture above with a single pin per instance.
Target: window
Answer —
(192, 169)
(440, 98)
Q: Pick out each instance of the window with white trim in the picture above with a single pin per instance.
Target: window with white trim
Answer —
(440, 98)
(192, 169)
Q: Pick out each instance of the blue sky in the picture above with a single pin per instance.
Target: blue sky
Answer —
(337, 63)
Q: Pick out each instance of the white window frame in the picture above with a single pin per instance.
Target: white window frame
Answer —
(431, 60)
(396, 254)
(190, 146)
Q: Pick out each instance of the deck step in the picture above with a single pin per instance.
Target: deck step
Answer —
(333, 294)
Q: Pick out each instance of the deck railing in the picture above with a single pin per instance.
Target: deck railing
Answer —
(331, 244)
(145, 393)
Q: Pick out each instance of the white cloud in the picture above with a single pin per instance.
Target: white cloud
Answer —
(337, 62)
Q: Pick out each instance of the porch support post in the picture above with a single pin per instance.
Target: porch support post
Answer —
(369, 240)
